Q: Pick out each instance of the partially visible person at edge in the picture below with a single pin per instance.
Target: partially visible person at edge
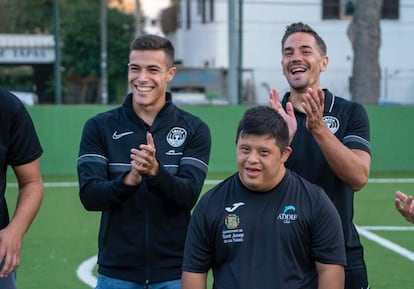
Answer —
(405, 205)
(330, 136)
(143, 166)
(20, 149)
(265, 226)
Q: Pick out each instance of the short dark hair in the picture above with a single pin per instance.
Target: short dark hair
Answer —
(301, 27)
(154, 42)
(263, 120)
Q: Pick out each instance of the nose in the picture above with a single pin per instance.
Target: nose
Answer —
(143, 75)
(296, 55)
(252, 158)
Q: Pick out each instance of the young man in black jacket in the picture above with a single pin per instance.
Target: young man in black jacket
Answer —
(143, 165)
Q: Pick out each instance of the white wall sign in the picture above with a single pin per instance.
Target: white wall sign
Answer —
(27, 55)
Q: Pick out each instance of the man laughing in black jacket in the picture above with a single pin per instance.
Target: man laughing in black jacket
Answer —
(143, 166)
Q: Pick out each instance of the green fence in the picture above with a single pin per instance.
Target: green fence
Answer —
(60, 128)
(392, 138)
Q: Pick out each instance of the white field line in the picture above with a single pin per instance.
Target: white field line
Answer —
(373, 180)
(387, 228)
(404, 252)
(386, 181)
(85, 271)
(212, 182)
(51, 185)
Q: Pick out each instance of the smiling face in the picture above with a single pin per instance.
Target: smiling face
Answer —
(260, 161)
(302, 61)
(149, 73)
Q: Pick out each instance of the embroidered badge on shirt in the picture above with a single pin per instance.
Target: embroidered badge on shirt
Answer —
(332, 123)
(176, 136)
(233, 234)
(232, 221)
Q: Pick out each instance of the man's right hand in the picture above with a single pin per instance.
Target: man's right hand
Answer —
(288, 115)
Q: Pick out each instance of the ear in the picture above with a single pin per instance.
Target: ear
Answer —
(286, 153)
(324, 63)
(171, 73)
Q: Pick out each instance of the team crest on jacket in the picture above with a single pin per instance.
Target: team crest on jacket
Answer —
(176, 136)
(332, 123)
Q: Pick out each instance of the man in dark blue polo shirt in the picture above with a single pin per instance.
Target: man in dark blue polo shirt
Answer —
(265, 226)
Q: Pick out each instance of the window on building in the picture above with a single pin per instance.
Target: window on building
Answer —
(348, 8)
(211, 10)
(202, 10)
(188, 12)
(205, 10)
(344, 9)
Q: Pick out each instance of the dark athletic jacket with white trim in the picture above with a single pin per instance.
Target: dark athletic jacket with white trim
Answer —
(349, 122)
(143, 228)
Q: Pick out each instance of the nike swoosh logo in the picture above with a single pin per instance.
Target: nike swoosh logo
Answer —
(235, 206)
(118, 136)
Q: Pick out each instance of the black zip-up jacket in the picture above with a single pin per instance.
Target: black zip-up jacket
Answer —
(143, 228)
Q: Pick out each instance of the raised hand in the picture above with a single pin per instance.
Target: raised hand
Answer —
(288, 115)
(143, 159)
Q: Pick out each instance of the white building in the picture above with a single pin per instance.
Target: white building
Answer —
(202, 40)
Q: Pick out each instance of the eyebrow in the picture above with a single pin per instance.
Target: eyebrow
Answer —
(300, 47)
(148, 66)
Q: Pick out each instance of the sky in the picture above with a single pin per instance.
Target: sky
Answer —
(151, 8)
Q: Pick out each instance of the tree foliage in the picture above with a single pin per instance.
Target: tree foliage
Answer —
(81, 49)
(80, 45)
(28, 16)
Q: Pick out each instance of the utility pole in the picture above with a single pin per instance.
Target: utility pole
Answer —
(232, 83)
(58, 88)
(104, 65)
(240, 53)
(138, 28)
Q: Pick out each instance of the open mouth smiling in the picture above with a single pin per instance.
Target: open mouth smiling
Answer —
(297, 70)
(143, 88)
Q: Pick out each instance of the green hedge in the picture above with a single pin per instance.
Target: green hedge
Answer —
(60, 128)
